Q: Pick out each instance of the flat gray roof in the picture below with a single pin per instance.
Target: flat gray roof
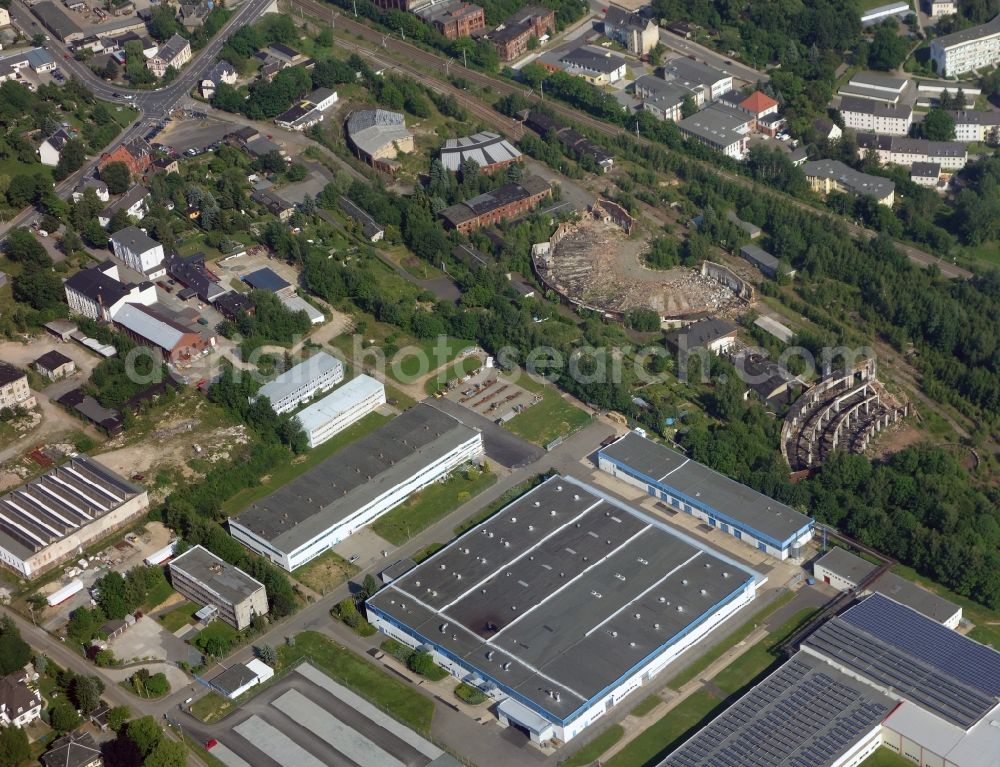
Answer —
(233, 678)
(226, 580)
(922, 661)
(317, 366)
(910, 594)
(707, 488)
(628, 588)
(354, 476)
(805, 713)
(845, 564)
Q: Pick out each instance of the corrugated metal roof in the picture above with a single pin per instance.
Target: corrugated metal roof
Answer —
(155, 329)
(339, 401)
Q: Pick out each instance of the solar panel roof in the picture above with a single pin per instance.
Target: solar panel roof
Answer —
(919, 659)
(806, 714)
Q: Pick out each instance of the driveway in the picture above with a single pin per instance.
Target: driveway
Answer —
(147, 639)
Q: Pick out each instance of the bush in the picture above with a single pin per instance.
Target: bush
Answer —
(422, 663)
(469, 694)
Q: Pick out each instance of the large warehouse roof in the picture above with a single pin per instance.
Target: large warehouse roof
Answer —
(705, 487)
(149, 324)
(483, 148)
(561, 595)
(937, 668)
(354, 476)
(805, 714)
(58, 503)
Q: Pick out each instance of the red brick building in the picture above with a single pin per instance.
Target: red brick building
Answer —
(512, 39)
(453, 18)
(136, 154)
(151, 327)
(502, 204)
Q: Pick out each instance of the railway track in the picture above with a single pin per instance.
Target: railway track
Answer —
(399, 52)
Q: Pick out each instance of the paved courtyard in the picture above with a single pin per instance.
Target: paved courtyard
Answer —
(308, 720)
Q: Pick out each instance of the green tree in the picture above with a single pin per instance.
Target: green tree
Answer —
(421, 663)
(62, 716)
(938, 125)
(14, 748)
(167, 753)
(369, 586)
(162, 22)
(267, 654)
(145, 734)
(71, 159)
(14, 651)
(688, 107)
(116, 175)
(86, 693)
(118, 717)
(39, 288)
(21, 246)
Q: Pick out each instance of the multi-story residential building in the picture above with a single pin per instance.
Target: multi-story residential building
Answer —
(977, 126)
(138, 251)
(136, 154)
(825, 176)
(20, 705)
(875, 117)
(176, 52)
(665, 100)
(900, 150)
(453, 18)
(938, 8)
(967, 49)
(133, 202)
(725, 129)
(637, 34)
(14, 390)
(222, 72)
(99, 187)
(207, 580)
(925, 173)
(513, 38)
(695, 76)
(98, 294)
(301, 383)
(51, 148)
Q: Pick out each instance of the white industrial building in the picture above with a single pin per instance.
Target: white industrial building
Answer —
(863, 114)
(878, 675)
(338, 410)
(356, 485)
(301, 383)
(967, 49)
(55, 516)
(138, 251)
(562, 604)
(717, 500)
(846, 571)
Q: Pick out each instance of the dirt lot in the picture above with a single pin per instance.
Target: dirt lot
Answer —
(599, 266)
(171, 443)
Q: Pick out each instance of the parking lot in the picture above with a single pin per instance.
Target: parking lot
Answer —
(308, 720)
(501, 446)
(148, 639)
(490, 396)
(183, 135)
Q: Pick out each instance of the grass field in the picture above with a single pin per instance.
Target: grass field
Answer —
(325, 572)
(178, 617)
(727, 644)
(593, 750)
(549, 419)
(157, 595)
(211, 707)
(664, 735)
(646, 705)
(431, 504)
(364, 678)
(288, 472)
(883, 757)
(759, 658)
(217, 628)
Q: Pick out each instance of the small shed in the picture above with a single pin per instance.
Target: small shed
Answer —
(54, 365)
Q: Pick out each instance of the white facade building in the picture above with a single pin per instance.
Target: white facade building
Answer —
(176, 52)
(876, 117)
(939, 8)
(301, 383)
(968, 49)
(977, 126)
(338, 410)
(139, 251)
(97, 294)
(356, 486)
(901, 150)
